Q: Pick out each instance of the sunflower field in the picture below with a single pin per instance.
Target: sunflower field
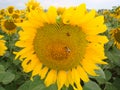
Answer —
(60, 48)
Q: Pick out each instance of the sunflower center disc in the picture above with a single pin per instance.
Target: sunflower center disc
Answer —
(15, 16)
(117, 36)
(60, 47)
(10, 10)
(9, 25)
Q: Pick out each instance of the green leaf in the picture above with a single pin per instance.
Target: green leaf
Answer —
(108, 75)
(65, 88)
(117, 70)
(16, 62)
(91, 86)
(116, 83)
(108, 45)
(1, 88)
(52, 87)
(113, 55)
(36, 84)
(101, 73)
(32, 85)
(70, 88)
(2, 69)
(110, 86)
(25, 86)
(101, 76)
(6, 77)
(58, 19)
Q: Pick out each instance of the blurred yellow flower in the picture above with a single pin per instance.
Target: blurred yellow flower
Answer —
(32, 5)
(10, 10)
(15, 15)
(60, 10)
(115, 35)
(2, 46)
(2, 12)
(8, 26)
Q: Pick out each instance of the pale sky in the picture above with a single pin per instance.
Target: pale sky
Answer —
(90, 4)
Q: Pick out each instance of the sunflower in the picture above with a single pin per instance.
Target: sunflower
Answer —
(60, 10)
(2, 46)
(8, 26)
(15, 15)
(10, 10)
(17, 11)
(1, 17)
(2, 12)
(32, 4)
(62, 49)
(115, 35)
(19, 20)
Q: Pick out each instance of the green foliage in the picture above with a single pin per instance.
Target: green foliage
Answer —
(36, 84)
(91, 86)
(5, 77)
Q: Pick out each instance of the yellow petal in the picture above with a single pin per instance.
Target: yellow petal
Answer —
(88, 17)
(51, 78)
(95, 30)
(78, 14)
(43, 72)
(37, 69)
(97, 39)
(76, 77)
(69, 79)
(66, 17)
(83, 74)
(29, 63)
(96, 21)
(52, 14)
(61, 79)
(89, 67)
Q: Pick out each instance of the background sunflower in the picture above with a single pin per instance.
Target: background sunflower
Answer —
(8, 26)
(115, 35)
(2, 46)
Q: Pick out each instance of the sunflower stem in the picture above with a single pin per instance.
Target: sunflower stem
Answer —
(64, 88)
(10, 44)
